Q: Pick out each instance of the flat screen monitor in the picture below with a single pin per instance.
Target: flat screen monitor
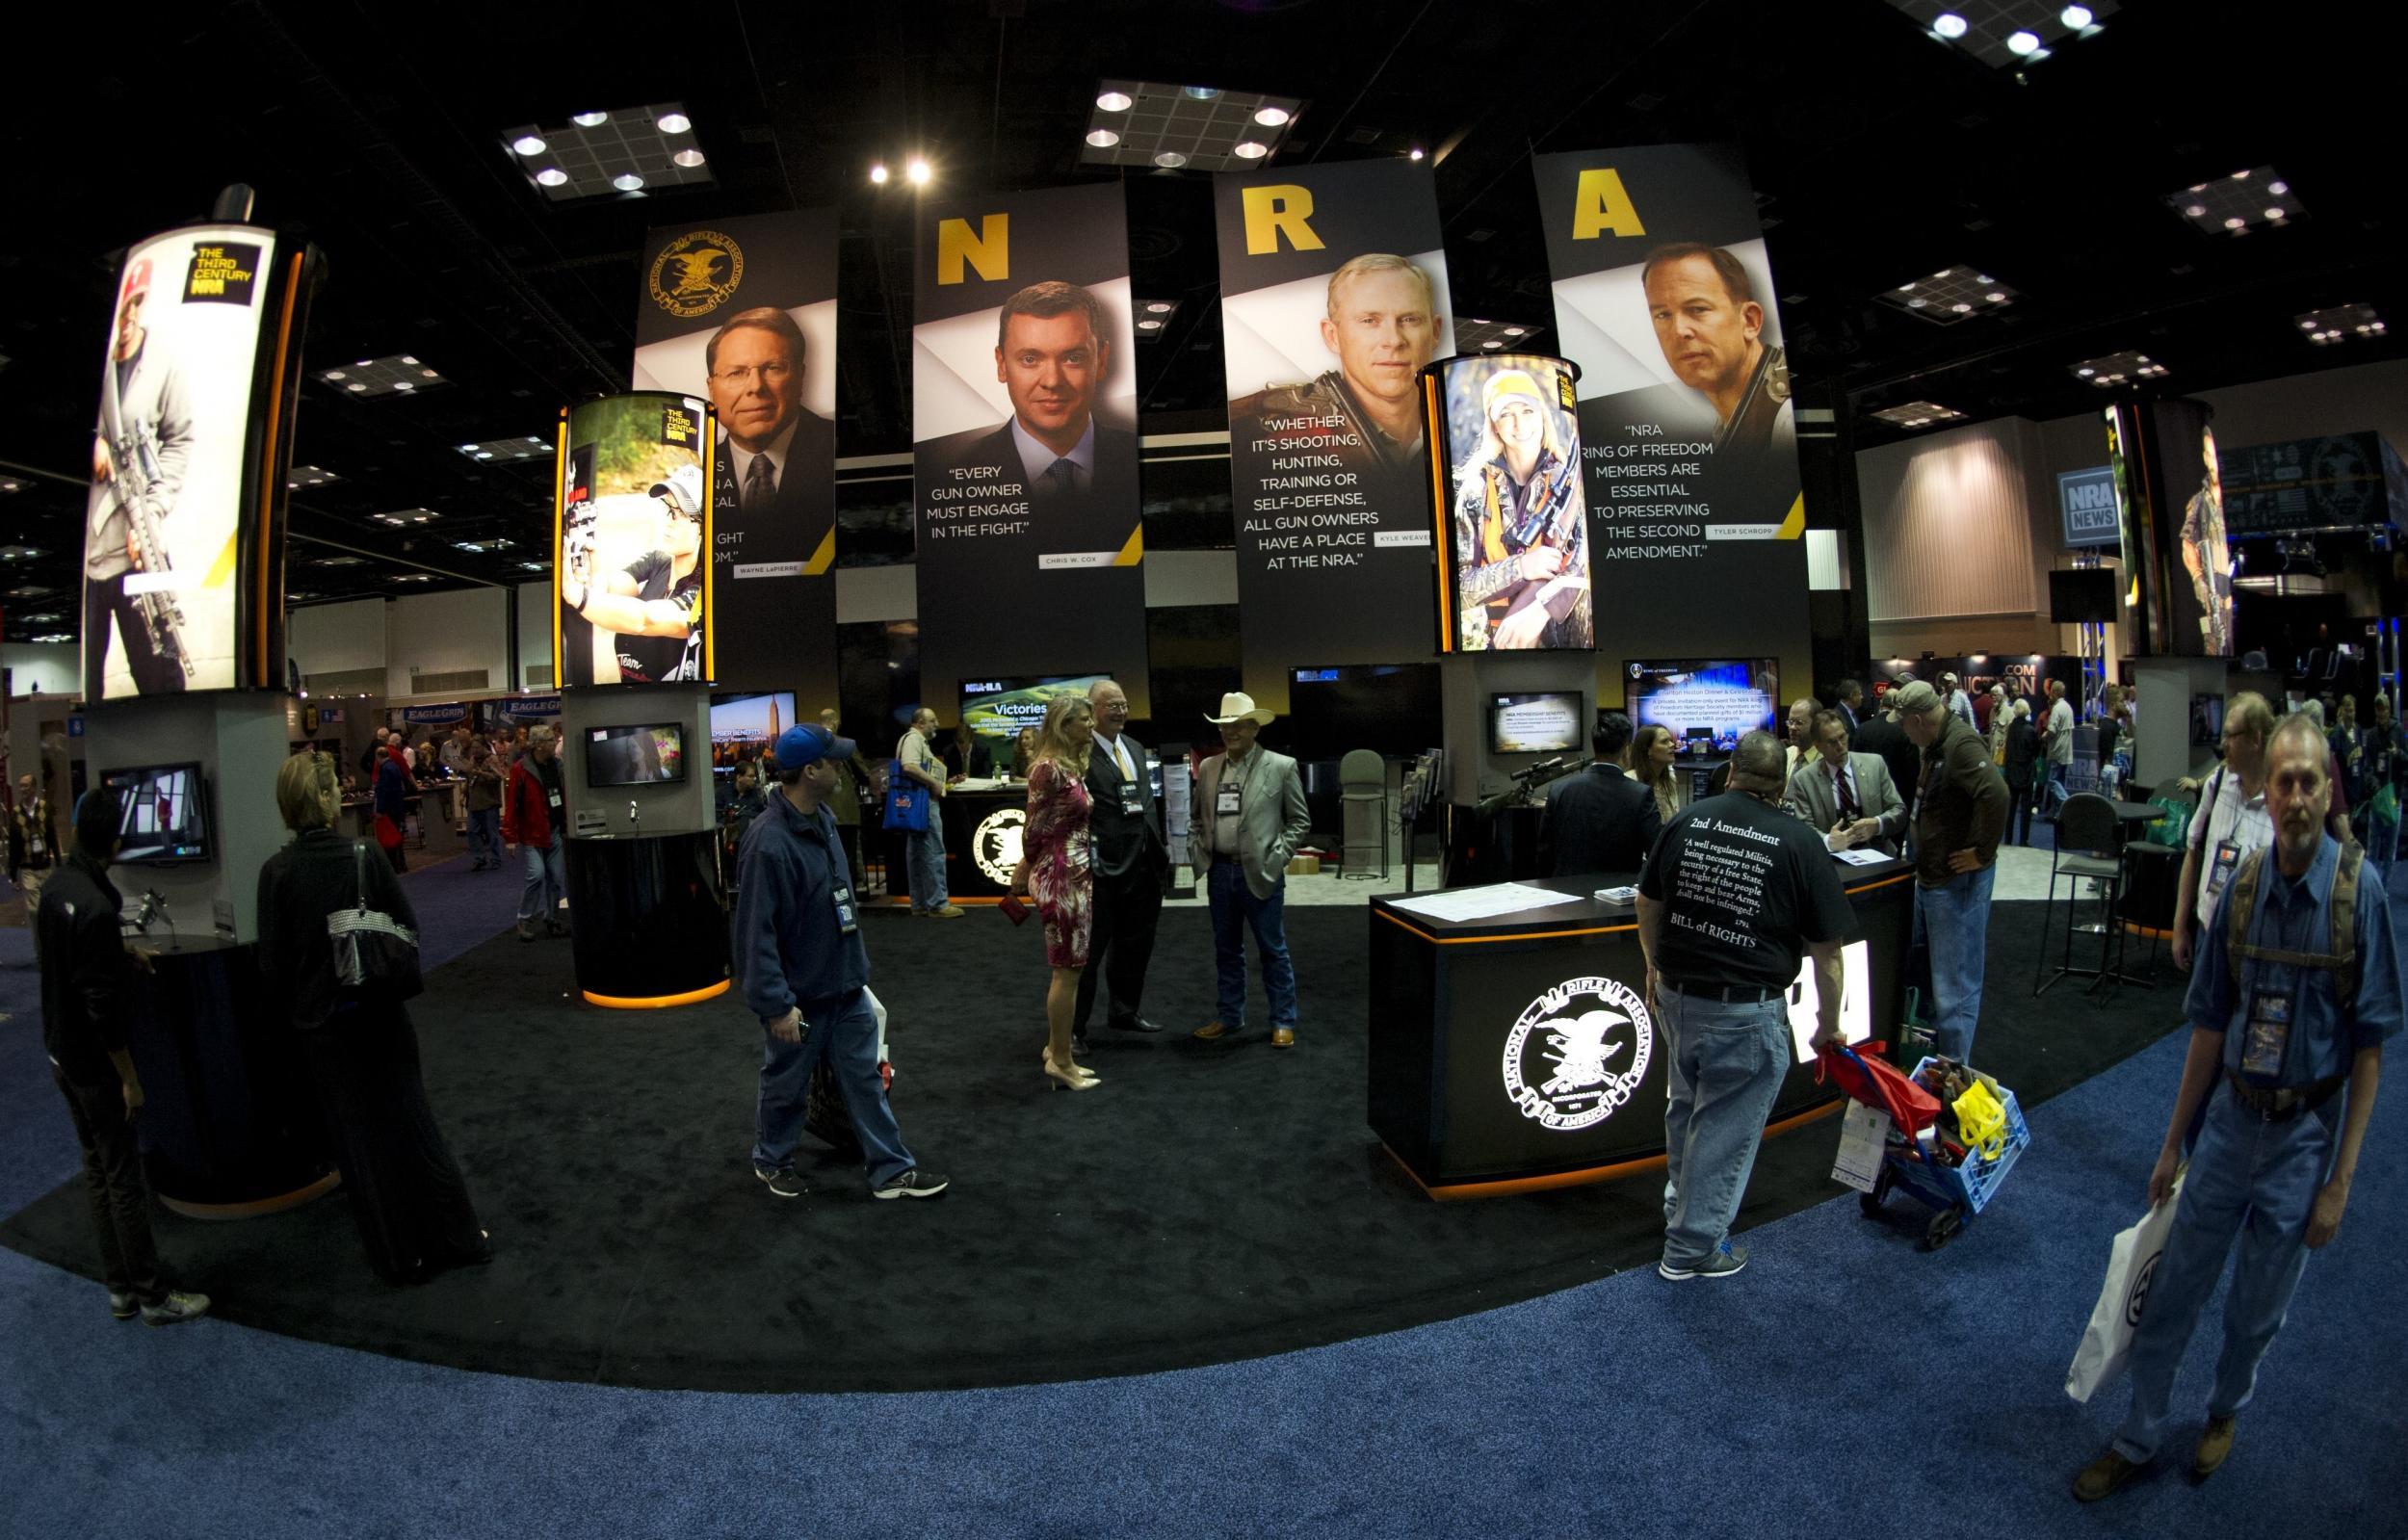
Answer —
(163, 814)
(746, 725)
(2083, 595)
(1708, 703)
(1391, 709)
(648, 754)
(1548, 722)
(998, 708)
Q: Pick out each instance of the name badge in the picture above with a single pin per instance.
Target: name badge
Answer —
(554, 797)
(1130, 802)
(2220, 868)
(846, 922)
(2270, 1028)
(1225, 801)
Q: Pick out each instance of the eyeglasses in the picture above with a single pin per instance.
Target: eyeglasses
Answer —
(766, 373)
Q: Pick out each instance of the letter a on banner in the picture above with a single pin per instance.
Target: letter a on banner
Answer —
(1333, 297)
(1665, 298)
(1024, 451)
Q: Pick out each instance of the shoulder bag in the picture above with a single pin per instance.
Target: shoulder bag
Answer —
(372, 947)
(907, 801)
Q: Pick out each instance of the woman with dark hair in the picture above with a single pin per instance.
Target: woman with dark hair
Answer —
(1056, 866)
(407, 1195)
(2024, 777)
(392, 804)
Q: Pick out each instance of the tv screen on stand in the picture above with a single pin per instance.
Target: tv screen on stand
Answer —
(163, 814)
(1391, 709)
(1708, 703)
(1548, 722)
(650, 754)
(745, 726)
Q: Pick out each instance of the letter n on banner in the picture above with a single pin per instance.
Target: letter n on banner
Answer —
(1333, 297)
(1023, 443)
(1665, 298)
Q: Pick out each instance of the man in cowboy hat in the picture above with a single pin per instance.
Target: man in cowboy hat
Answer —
(1248, 818)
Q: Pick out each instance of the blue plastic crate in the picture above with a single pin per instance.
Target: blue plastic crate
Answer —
(1975, 1183)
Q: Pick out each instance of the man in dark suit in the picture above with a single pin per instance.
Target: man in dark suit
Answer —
(777, 492)
(1600, 820)
(1129, 858)
(1078, 477)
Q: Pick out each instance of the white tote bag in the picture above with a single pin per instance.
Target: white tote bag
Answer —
(2132, 1267)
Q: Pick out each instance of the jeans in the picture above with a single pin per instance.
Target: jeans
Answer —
(113, 1184)
(2248, 1175)
(2019, 814)
(547, 882)
(1236, 909)
(926, 850)
(2052, 789)
(1953, 921)
(485, 835)
(1725, 1061)
(844, 1032)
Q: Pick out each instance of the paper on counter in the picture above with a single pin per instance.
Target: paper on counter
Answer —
(1859, 857)
(1482, 904)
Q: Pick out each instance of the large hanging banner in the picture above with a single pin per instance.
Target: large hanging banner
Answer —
(1025, 449)
(1333, 297)
(183, 537)
(743, 312)
(1665, 298)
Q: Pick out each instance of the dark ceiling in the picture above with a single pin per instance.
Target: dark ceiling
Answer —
(1881, 155)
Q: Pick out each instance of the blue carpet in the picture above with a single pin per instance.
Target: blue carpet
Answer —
(1846, 1381)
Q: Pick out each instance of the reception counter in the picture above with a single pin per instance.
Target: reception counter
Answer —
(648, 918)
(1480, 1081)
(982, 822)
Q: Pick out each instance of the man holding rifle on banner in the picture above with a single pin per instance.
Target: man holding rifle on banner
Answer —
(138, 456)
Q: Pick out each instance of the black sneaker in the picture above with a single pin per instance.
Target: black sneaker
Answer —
(1721, 1263)
(124, 1307)
(526, 930)
(782, 1183)
(176, 1306)
(912, 1184)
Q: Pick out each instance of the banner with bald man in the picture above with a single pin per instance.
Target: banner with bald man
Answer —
(1333, 297)
(1023, 443)
(1665, 298)
(742, 312)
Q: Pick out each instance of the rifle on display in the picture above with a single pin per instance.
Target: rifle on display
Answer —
(134, 457)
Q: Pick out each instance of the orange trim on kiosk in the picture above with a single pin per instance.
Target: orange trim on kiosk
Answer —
(1433, 414)
(1460, 1191)
(659, 1001)
(272, 475)
(559, 494)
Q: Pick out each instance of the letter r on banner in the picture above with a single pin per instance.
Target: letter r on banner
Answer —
(1601, 205)
(1272, 212)
(989, 250)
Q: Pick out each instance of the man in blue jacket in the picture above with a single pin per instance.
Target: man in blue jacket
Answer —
(804, 972)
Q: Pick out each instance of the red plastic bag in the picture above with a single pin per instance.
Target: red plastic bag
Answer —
(1880, 1085)
(389, 833)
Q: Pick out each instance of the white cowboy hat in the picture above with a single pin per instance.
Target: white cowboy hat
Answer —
(1238, 706)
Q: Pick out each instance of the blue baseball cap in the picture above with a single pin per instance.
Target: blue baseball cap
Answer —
(805, 744)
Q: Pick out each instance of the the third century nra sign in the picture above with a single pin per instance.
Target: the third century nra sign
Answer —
(2087, 499)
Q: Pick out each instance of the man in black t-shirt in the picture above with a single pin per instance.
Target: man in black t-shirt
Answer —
(1734, 891)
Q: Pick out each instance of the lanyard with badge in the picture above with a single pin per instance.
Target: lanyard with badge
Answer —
(2270, 1012)
(1131, 803)
(847, 920)
(2228, 852)
(1227, 797)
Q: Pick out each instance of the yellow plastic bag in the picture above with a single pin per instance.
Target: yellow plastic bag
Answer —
(1982, 1121)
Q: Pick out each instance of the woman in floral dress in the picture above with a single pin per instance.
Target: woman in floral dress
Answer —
(1054, 867)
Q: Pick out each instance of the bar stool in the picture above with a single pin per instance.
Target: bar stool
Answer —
(2087, 832)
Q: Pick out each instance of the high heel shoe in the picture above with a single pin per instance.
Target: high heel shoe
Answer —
(1073, 1078)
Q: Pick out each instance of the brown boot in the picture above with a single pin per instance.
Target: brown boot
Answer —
(2102, 1475)
(2215, 1442)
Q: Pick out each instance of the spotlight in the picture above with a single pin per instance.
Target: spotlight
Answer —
(591, 119)
(918, 172)
(1199, 92)
(1271, 117)
(2197, 211)
(673, 122)
(2274, 213)
(2235, 222)
(552, 176)
(2074, 17)
(878, 175)
(1996, 297)
(688, 158)
(1248, 149)
(1948, 24)
(1103, 138)
(1513, 331)
(1115, 101)
(2019, 44)
(1170, 160)
(1149, 326)
(2278, 189)
(528, 145)
(627, 181)
(1158, 307)
(1492, 344)
(1415, 153)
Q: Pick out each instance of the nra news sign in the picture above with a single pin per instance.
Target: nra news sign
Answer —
(2088, 500)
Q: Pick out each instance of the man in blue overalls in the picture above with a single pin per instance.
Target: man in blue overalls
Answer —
(2287, 1018)
(800, 961)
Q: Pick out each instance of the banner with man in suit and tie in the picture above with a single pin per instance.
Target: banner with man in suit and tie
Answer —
(743, 312)
(1024, 427)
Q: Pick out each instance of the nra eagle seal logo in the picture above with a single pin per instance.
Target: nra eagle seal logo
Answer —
(1578, 1053)
(697, 274)
(995, 845)
(2138, 1297)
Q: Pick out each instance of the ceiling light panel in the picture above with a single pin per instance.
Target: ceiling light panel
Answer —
(1951, 295)
(1479, 334)
(2340, 324)
(10, 483)
(2256, 198)
(301, 476)
(1153, 317)
(2119, 368)
(606, 154)
(1989, 30)
(507, 449)
(1918, 414)
(404, 517)
(1196, 128)
(402, 375)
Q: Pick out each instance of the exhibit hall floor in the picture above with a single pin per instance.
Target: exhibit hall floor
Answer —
(1841, 1353)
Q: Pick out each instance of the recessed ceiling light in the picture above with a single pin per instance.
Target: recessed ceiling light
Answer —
(2275, 211)
(1248, 150)
(1201, 92)
(688, 157)
(2074, 17)
(528, 145)
(1948, 24)
(673, 122)
(589, 119)
(1513, 331)
(355, 385)
(1102, 137)
(333, 374)
(2278, 189)
(1492, 344)
(1170, 160)
(1149, 326)
(1415, 153)
(2019, 42)
(1115, 101)
(552, 176)
(918, 172)
(1159, 307)
(878, 175)
(627, 181)
(1270, 117)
